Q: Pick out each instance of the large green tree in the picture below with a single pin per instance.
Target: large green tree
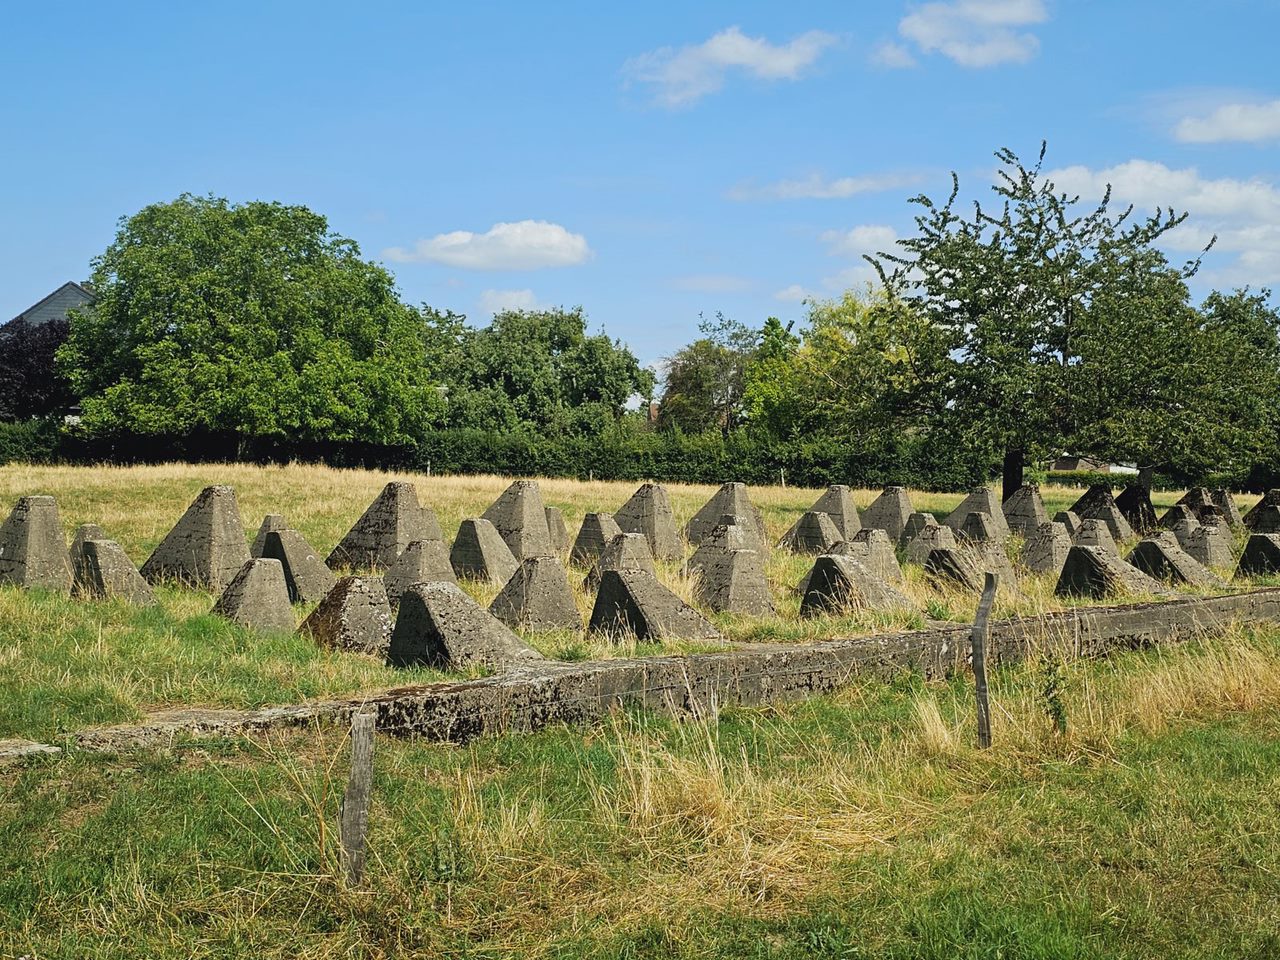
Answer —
(248, 318)
(30, 386)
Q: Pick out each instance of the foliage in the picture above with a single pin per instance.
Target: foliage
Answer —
(38, 440)
(30, 386)
(252, 318)
(705, 381)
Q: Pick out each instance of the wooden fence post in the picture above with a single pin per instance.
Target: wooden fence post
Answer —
(979, 642)
(353, 823)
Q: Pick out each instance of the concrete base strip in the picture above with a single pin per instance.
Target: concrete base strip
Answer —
(534, 696)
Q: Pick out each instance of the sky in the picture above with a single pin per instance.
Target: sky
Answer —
(651, 163)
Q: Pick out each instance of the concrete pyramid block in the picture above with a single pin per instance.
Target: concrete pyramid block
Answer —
(257, 597)
(1069, 519)
(593, 536)
(980, 500)
(1225, 502)
(557, 530)
(521, 520)
(648, 512)
(1266, 518)
(206, 548)
(626, 551)
(930, 538)
(1095, 573)
(1261, 556)
(1097, 495)
(813, 533)
(724, 539)
(634, 602)
(734, 581)
(106, 571)
(1095, 533)
(1178, 513)
(1045, 550)
(393, 521)
(915, 523)
(440, 626)
(979, 527)
(1197, 498)
(1025, 511)
(1135, 503)
(84, 533)
(954, 567)
(1208, 545)
(839, 584)
(538, 597)
(874, 550)
(1269, 499)
(1216, 518)
(272, 521)
(305, 574)
(1110, 515)
(354, 616)
(888, 512)
(837, 503)
(730, 500)
(33, 548)
(1162, 558)
(423, 561)
(480, 553)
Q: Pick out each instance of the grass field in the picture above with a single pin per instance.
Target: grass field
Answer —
(68, 664)
(855, 825)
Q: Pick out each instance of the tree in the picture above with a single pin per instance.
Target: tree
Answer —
(538, 369)
(1012, 294)
(248, 318)
(30, 386)
(704, 381)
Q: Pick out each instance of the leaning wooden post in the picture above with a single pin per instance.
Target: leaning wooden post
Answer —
(353, 824)
(979, 640)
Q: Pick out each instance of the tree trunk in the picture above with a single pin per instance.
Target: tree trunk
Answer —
(1013, 464)
(1145, 476)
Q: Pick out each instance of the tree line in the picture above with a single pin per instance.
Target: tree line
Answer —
(996, 336)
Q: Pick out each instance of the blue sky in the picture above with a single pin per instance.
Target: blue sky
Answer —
(649, 162)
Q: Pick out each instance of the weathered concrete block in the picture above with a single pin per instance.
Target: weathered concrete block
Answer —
(1025, 511)
(1069, 519)
(889, 512)
(1135, 503)
(105, 571)
(388, 525)
(272, 521)
(1196, 498)
(1097, 495)
(1096, 533)
(257, 597)
(440, 626)
(423, 561)
(1178, 513)
(1110, 515)
(634, 602)
(1161, 558)
(1261, 556)
(839, 584)
(355, 616)
(730, 500)
(929, 538)
(837, 503)
(1092, 572)
(593, 536)
(814, 533)
(733, 581)
(980, 527)
(980, 500)
(84, 532)
(953, 567)
(626, 551)
(1045, 550)
(874, 550)
(1269, 499)
(648, 512)
(915, 523)
(33, 548)
(557, 530)
(1265, 518)
(521, 520)
(305, 574)
(480, 553)
(538, 597)
(1207, 544)
(1225, 502)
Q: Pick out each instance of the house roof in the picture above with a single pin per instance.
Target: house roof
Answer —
(83, 290)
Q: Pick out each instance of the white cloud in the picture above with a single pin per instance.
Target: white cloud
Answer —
(497, 301)
(976, 33)
(868, 238)
(1232, 122)
(892, 55)
(794, 294)
(524, 245)
(713, 283)
(682, 77)
(817, 187)
(1245, 214)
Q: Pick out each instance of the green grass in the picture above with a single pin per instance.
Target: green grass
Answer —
(857, 825)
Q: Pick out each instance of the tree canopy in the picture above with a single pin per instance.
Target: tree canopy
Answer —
(29, 384)
(251, 318)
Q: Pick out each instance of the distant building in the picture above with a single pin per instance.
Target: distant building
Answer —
(1068, 463)
(58, 304)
